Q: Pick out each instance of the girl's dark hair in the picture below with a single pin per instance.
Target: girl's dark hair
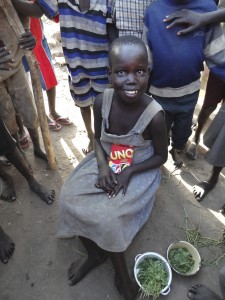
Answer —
(127, 40)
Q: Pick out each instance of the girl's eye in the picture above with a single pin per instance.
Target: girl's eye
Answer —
(140, 72)
(121, 73)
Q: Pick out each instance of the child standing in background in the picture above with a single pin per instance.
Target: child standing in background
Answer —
(47, 74)
(14, 89)
(178, 62)
(84, 26)
(128, 16)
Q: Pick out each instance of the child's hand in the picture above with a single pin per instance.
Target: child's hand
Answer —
(106, 180)
(123, 180)
(27, 41)
(4, 58)
(185, 17)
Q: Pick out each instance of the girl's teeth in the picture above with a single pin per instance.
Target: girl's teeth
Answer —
(131, 92)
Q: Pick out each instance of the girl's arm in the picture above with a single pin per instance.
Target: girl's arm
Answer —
(28, 8)
(194, 20)
(106, 179)
(158, 132)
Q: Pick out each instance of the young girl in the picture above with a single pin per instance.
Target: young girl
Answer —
(105, 209)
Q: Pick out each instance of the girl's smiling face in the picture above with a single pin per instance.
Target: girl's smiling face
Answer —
(129, 72)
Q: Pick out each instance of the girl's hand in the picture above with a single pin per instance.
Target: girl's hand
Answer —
(27, 41)
(123, 180)
(106, 179)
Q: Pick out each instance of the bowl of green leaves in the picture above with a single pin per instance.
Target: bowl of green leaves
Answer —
(184, 258)
(153, 274)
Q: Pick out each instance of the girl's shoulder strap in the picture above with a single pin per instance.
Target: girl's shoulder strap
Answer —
(106, 102)
(148, 114)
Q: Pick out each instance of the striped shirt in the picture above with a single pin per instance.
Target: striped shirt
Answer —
(128, 16)
(85, 45)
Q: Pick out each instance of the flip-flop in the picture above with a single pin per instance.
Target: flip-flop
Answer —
(54, 125)
(62, 120)
(24, 143)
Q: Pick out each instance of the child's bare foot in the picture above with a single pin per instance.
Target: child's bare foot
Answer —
(7, 190)
(176, 158)
(201, 189)
(129, 294)
(89, 148)
(7, 247)
(200, 292)
(48, 196)
(39, 153)
(192, 151)
(78, 271)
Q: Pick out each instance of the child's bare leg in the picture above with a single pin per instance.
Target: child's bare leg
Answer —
(176, 157)
(201, 189)
(7, 190)
(36, 144)
(17, 159)
(124, 283)
(51, 93)
(86, 115)
(192, 151)
(201, 292)
(16, 138)
(7, 246)
(96, 256)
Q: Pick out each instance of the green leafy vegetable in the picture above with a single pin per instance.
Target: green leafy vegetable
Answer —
(181, 260)
(152, 276)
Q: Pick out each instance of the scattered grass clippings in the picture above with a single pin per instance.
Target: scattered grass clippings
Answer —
(194, 236)
(152, 276)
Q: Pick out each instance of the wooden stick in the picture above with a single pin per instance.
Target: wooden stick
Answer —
(18, 28)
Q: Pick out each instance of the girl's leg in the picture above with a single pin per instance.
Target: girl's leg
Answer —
(201, 189)
(95, 257)
(124, 283)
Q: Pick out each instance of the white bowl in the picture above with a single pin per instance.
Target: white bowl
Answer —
(193, 251)
(141, 257)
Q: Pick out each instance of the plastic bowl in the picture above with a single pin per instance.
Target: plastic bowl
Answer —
(192, 250)
(141, 257)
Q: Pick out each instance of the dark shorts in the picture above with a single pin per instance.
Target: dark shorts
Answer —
(178, 115)
(7, 143)
(215, 91)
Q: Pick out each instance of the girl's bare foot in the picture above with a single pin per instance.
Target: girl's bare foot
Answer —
(129, 294)
(78, 271)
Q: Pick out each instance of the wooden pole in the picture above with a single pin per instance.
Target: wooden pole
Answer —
(17, 27)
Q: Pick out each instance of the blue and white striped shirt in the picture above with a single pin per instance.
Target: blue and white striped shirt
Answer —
(84, 43)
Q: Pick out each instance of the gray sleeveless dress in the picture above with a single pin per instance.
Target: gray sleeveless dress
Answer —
(86, 210)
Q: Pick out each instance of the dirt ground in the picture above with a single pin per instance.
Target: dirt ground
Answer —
(38, 269)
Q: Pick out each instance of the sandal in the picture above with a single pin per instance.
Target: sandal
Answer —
(54, 125)
(62, 120)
